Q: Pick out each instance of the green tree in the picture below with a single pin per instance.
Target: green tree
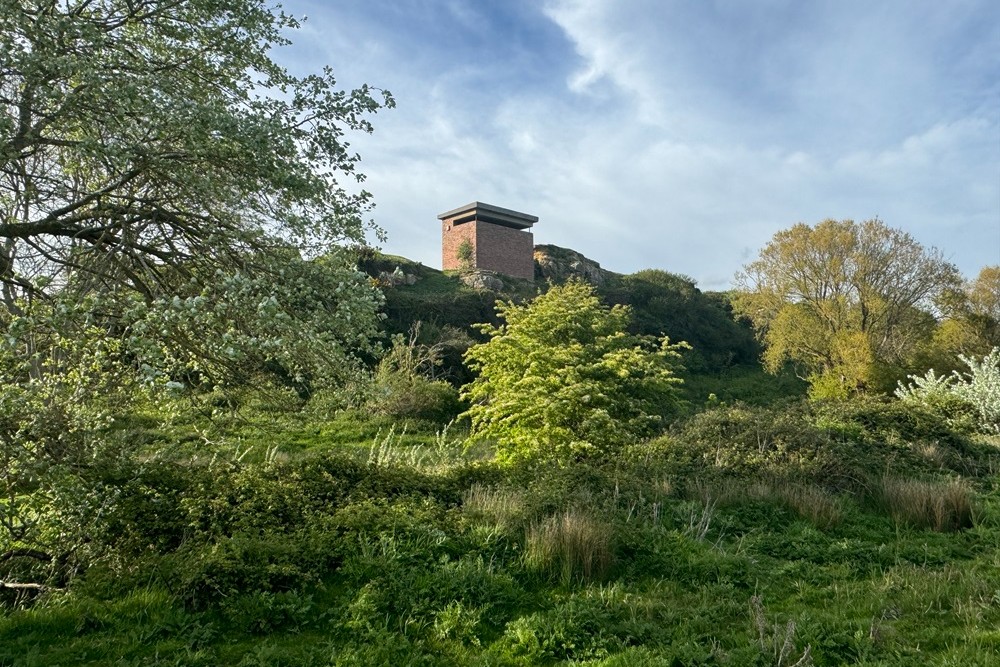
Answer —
(970, 325)
(980, 311)
(560, 378)
(171, 212)
(847, 303)
(155, 149)
(666, 303)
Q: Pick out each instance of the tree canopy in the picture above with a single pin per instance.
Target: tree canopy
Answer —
(152, 150)
(842, 300)
(141, 137)
(560, 378)
(981, 308)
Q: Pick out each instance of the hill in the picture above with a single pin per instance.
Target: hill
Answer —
(723, 360)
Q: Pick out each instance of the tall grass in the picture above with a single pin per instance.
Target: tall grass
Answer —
(940, 506)
(811, 502)
(392, 449)
(570, 546)
(502, 505)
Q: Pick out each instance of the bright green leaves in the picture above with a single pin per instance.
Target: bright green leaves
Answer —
(561, 379)
(842, 300)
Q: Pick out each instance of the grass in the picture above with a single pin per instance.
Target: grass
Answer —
(744, 384)
(941, 506)
(570, 546)
(809, 501)
(365, 543)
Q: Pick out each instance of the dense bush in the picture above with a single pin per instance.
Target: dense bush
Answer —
(407, 382)
(666, 304)
(562, 380)
(954, 397)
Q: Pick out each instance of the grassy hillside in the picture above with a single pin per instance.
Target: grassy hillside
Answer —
(722, 362)
(249, 527)
(828, 534)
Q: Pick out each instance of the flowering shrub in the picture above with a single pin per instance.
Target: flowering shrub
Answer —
(977, 390)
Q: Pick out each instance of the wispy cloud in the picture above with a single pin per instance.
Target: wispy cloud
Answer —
(651, 133)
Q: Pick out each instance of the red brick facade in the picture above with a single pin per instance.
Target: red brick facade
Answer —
(501, 244)
(494, 248)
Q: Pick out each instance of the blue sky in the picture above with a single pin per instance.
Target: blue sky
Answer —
(669, 134)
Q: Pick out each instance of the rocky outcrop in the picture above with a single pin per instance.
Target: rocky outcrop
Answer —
(558, 265)
(482, 280)
(396, 278)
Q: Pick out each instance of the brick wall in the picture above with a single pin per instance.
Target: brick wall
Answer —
(494, 248)
(505, 250)
(451, 238)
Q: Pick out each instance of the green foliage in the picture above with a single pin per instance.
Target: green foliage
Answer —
(756, 442)
(166, 177)
(324, 548)
(837, 445)
(592, 624)
(307, 324)
(954, 397)
(63, 384)
(970, 324)
(663, 303)
(465, 254)
(744, 384)
(840, 300)
(405, 383)
(334, 558)
(561, 379)
(165, 138)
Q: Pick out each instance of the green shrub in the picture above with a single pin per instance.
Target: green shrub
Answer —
(272, 562)
(748, 440)
(265, 612)
(893, 431)
(595, 623)
(415, 397)
(562, 380)
(961, 395)
(407, 383)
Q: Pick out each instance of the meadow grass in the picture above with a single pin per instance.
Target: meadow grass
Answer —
(570, 546)
(395, 546)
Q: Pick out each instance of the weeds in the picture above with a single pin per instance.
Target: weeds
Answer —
(777, 643)
(700, 520)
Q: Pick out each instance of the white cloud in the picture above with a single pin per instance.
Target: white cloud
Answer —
(682, 135)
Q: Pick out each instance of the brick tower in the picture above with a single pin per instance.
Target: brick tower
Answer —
(490, 238)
